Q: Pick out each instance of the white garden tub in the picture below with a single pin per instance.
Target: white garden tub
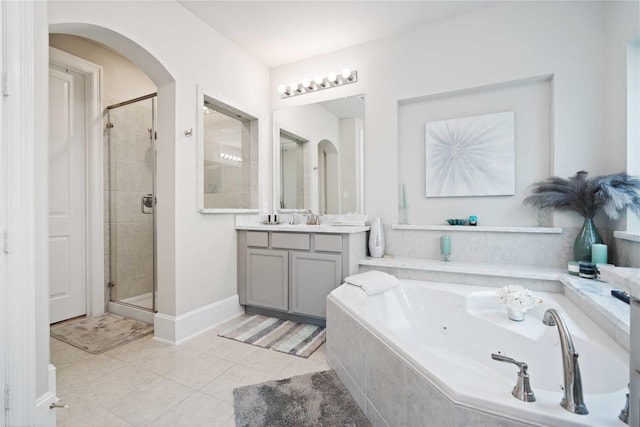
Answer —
(420, 354)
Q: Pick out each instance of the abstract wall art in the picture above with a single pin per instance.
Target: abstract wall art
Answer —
(471, 156)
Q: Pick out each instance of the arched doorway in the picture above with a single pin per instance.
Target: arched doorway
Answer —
(165, 84)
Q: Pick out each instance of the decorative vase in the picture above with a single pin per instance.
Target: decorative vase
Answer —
(585, 240)
(515, 314)
(376, 238)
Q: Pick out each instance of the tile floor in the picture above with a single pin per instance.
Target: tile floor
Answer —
(153, 383)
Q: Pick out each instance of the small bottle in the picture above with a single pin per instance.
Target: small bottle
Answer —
(473, 220)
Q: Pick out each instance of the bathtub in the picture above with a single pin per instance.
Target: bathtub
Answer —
(420, 355)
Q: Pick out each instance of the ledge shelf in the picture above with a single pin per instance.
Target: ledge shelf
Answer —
(478, 228)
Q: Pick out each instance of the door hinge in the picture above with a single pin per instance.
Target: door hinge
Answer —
(7, 397)
(7, 242)
(5, 84)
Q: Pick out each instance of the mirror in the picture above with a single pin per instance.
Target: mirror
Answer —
(319, 156)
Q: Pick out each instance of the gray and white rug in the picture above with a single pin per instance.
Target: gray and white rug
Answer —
(99, 334)
(318, 399)
(281, 335)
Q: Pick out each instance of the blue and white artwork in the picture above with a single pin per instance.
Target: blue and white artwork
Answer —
(471, 156)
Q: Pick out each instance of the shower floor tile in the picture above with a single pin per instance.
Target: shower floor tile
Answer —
(153, 383)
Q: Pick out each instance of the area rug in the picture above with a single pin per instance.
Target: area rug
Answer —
(316, 399)
(285, 336)
(99, 334)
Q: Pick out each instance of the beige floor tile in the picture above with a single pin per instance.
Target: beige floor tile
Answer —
(144, 349)
(198, 409)
(82, 413)
(150, 382)
(108, 389)
(304, 366)
(176, 358)
(231, 350)
(269, 361)
(238, 376)
(198, 370)
(63, 354)
(87, 370)
(146, 402)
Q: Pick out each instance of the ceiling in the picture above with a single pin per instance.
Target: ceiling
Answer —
(282, 32)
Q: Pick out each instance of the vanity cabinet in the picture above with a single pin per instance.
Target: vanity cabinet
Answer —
(290, 274)
(268, 278)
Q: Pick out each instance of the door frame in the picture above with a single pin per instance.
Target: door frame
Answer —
(94, 176)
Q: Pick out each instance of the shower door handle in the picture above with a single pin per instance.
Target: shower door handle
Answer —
(147, 202)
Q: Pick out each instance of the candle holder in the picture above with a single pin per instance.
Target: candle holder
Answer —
(445, 256)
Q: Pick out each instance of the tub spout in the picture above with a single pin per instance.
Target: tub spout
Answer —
(572, 400)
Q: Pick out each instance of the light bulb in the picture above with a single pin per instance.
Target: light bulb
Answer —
(293, 86)
(221, 155)
(306, 83)
(319, 79)
(332, 77)
(282, 89)
(346, 73)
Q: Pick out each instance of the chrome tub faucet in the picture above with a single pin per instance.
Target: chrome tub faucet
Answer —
(572, 400)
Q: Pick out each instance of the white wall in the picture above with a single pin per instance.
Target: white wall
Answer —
(622, 28)
(508, 42)
(197, 262)
(531, 103)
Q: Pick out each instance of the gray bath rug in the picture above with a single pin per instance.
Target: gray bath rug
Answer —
(313, 400)
(285, 336)
(99, 334)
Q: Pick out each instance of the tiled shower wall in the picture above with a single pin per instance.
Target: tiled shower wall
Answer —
(128, 176)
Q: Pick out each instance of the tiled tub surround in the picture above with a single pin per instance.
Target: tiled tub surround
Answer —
(404, 374)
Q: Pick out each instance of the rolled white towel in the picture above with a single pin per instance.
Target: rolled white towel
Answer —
(373, 282)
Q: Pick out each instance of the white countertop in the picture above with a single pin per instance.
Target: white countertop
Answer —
(625, 278)
(304, 228)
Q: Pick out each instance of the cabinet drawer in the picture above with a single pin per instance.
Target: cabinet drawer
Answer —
(328, 242)
(258, 238)
(290, 241)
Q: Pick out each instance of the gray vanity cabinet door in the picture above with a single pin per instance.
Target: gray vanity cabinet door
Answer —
(268, 278)
(313, 276)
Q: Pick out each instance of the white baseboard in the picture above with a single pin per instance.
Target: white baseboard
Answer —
(176, 329)
(44, 415)
(131, 312)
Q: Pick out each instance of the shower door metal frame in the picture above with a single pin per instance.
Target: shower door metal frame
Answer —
(153, 137)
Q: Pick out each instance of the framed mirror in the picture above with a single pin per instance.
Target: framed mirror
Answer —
(318, 153)
(227, 158)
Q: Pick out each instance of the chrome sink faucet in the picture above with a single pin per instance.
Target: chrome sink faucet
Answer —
(311, 218)
(572, 400)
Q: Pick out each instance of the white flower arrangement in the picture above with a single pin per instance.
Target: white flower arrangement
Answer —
(518, 298)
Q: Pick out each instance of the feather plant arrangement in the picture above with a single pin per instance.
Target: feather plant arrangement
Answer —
(586, 196)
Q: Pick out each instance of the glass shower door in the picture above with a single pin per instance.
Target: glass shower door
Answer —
(131, 202)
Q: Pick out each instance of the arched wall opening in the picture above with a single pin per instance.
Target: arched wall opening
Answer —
(165, 148)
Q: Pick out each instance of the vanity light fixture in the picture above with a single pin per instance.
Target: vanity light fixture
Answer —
(230, 157)
(318, 83)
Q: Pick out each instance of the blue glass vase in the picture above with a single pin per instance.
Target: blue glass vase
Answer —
(584, 240)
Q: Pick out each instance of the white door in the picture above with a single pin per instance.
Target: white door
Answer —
(67, 229)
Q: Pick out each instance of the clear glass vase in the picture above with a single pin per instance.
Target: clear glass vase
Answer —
(585, 240)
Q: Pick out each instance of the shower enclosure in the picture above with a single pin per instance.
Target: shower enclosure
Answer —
(130, 203)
